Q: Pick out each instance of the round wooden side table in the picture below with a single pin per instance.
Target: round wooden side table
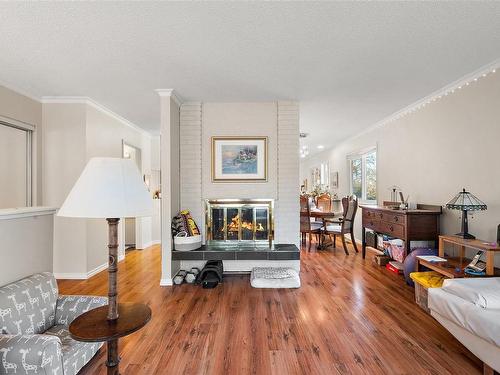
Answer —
(94, 326)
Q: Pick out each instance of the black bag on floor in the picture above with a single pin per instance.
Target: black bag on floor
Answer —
(211, 275)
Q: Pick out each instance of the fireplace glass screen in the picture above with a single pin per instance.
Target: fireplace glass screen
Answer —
(239, 221)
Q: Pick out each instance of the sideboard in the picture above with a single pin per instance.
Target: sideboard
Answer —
(421, 224)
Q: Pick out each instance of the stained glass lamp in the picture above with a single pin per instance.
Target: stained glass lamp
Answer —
(466, 202)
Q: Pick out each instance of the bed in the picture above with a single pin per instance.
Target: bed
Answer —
(470, 310)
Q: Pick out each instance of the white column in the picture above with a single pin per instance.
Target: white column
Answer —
(169, 164)
(287, 221)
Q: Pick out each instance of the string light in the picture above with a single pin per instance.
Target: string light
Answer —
(437, 96)
(411, 109)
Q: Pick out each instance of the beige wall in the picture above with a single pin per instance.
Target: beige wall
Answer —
(13, 164)
(155, 183)
(434, 152)
(26, 247)
(104, 137)
(64, 158)
(239, 119)
(76, 132)
(21, 108)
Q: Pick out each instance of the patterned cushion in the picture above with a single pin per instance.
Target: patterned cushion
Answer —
(28, 306)
(75, 353)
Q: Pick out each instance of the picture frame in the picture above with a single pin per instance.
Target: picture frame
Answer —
(334, 180)
(239, 159)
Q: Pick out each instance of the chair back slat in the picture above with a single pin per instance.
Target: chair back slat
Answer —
(305, 214)
(324, 202)
(350, 206)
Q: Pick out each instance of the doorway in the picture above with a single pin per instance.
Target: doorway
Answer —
(134, 153)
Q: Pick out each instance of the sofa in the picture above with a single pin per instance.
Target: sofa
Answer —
(34, 321)
(469, 309)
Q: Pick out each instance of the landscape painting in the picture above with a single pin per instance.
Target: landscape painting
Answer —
(239, 159)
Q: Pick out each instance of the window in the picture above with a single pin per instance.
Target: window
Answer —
(15, 164)
(363, 175)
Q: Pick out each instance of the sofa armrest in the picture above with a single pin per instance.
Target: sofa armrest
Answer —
(70, 307)
(39, 354)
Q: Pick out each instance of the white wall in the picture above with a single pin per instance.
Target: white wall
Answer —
(436, 151)
(239, 119)
(13, 164)
(276, 120)
(21, 108)
(155, 183)
(26, 247)
(75, 132)
(169, 181)
(104, 137)
(64, 158)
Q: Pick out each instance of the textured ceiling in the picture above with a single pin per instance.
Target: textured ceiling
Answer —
(350, 64)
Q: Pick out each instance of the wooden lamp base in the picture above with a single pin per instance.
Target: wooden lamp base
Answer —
(109, 323)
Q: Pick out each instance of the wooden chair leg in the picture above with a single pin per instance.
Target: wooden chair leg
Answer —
(344, 244)
(354, 242)
(334, 241)
(310, 240)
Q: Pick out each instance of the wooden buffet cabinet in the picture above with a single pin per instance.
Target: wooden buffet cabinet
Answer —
(421, 224)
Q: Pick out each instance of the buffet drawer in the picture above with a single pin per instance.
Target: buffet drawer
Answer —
(372, 224)
(394, 218)
(391, 229)
(372, 216)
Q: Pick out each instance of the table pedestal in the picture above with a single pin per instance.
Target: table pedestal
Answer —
(94, 326)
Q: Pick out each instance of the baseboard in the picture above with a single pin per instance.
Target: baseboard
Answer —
(96, 270)
(84, 276)
(70, 276)
(166, 282)
(149, 244)
(120, 257)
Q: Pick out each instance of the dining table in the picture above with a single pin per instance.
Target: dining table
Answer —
(323, 215)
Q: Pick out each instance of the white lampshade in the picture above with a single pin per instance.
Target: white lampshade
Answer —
(108, 188)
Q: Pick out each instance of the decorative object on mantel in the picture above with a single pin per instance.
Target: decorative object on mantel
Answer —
(239, 159)
(466, 202)
(109, 188)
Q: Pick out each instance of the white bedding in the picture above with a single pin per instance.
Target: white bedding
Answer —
(483, 292)
(483, 322)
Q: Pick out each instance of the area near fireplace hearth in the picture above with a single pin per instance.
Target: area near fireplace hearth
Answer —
(242, 214)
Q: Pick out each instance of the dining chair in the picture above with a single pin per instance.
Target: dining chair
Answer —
(307, 227)
(324, 202)
(344, 225)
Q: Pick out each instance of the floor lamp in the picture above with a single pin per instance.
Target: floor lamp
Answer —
(109, 188)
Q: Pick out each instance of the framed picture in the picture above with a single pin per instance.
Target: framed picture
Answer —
(334, 180)
(239, 159)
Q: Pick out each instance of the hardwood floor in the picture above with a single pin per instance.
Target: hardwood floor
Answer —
(349, 317)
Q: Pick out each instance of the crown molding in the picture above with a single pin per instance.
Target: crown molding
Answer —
(19, 91)
(94, 104)
(459, 84)
(64, 99)
(171, 93)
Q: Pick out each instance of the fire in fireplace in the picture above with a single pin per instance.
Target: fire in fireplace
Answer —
(239, 221)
